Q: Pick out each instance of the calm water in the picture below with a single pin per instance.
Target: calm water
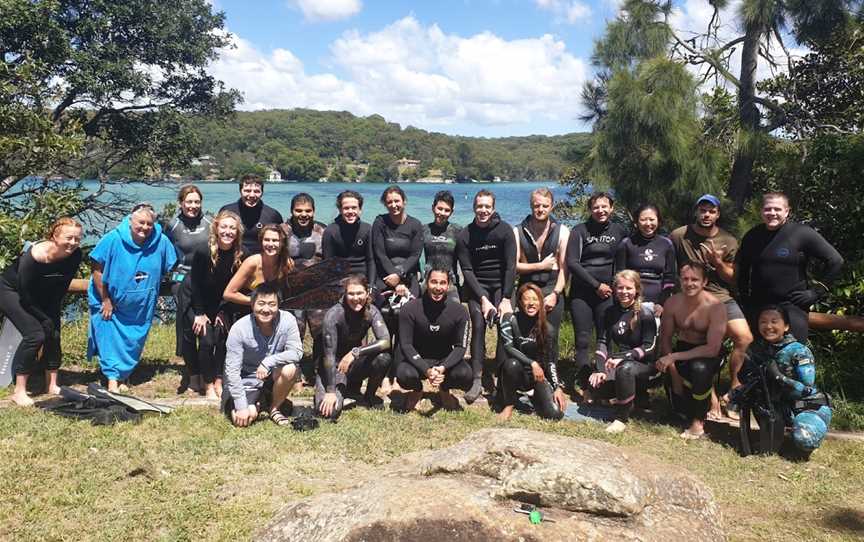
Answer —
(511, 198)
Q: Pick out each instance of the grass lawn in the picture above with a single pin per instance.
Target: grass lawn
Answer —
(192, 476)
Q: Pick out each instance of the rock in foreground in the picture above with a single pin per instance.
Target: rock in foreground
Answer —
(591, 490)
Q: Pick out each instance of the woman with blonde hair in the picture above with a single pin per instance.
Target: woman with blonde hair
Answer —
(212, 267)
(626, 346)
(272, 264)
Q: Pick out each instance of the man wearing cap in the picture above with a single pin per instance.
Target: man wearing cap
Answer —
(705, 242)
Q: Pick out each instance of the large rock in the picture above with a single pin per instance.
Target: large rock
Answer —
(591, 490)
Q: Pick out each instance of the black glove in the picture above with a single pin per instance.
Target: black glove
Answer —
(804, 298)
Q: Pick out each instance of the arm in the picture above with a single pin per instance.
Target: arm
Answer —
(233, 365)
(574, 265)
(198, 276)
(742, 268)
(28, 280)
(240, 279)
(620, 257)
(667, 328)
(382, 336)
(563, 275)
(293, 351)
(601, 354)
(646, 348)
(331, 342)
(371, 268)
(379, 250)
(406, 341)
(411, 264)
(506, 331)
(822, 250)
(327, 243)
(464, 257)
(509, 265)
(713, 340)
(461, 344)
(670, 274)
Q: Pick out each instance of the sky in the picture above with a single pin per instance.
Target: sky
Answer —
(488, 68)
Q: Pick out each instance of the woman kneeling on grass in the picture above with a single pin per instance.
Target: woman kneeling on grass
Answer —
(626, 344)
(31, 297)
(529, 364)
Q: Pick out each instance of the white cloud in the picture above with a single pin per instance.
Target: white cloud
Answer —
(328, 10)
(420, 75)
(569, 11)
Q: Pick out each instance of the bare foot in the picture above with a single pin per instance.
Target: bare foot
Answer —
(217, 385)
(449, 401)
(506, 413)
(53, 390)
(22, 399)
(385, 388)
(113, 387)
(210, 392)
(616, 427)
(695, 431)
(123, 388)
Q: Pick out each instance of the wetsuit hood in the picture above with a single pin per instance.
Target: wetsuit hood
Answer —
(124, 230)
(190, 223)
(494, 220)
(596, 227)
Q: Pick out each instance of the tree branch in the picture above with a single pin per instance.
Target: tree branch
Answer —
(709, 60)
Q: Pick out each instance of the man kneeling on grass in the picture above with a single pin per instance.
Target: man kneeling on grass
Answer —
(263, 346)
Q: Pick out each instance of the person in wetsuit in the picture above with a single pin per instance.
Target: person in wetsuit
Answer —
(792, 371)
(626, 345)
(590, 261)
(32, 288)
(772, 265)
(541, 249)
(705, 242)
(526, 336)
(486, 249)
(207, 314)
(252, 210)
(650, 254)
(439, 240)
(397, 240)
(347, 361)
(305, 247)
(349, 237)
(188, 232)
(698, 320)
(433, 336)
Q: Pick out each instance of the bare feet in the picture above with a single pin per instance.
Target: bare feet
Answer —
(385, 388)
(411, 400)
(113, 387)
(217, 385)
(22, 399)
(695, 431)
(123, 388)
(53, 390)
(506, 413)
(210, 392)
(449, 401)
(616, 427)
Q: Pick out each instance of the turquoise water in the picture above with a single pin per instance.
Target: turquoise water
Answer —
(511, 198)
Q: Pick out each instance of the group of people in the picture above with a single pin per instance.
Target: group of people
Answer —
(653, 304)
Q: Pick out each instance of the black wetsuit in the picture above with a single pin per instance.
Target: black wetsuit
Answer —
(353, 242)
(204, 286)
(654, 259)
(591, 260)
(430, 334)
(635, 344)
(187, 235)
(305, 247)
(439, 250)
(397, 250)
(772, 268)
(518, 337)
(343, 330)
(253, 218)
(31, 297)
(544, 279)
(487, 257)
(698, 375)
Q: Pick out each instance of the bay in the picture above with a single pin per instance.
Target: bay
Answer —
(511, 199)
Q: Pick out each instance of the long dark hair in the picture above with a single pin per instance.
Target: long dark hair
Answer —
(284, 263)
(540, 328)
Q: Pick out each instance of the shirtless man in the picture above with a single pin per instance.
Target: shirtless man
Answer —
(705, 242)
(698, 319)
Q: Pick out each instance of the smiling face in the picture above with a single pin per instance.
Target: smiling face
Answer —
(484, 208)
(265, 308)
(530, 303)
(648, 222)
(303, 213)
(191, 205)
(271, 243)
(395, 204)
(356, 296)
(601, 210)
(437, 285)
(707, 215)
(692, 281)
(141, 225)
(772, 327)
(250, 194)
(226, 233)
(625, 292)
(442, 212)
(67, 238)
(541, 207)
(775, 212)
(350, 210)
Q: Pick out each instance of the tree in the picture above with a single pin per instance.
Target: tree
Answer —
(105, 83)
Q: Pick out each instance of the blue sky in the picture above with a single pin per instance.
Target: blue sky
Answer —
(470, 67)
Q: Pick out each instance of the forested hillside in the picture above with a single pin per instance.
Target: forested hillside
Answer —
(304, 145)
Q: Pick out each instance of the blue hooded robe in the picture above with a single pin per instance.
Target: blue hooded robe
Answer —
(133, 274)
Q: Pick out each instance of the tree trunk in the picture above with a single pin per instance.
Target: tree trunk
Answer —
(741, 181)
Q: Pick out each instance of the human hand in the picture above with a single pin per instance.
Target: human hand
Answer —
(107, 309)
(560, 399)
(402, 290)
(328, 404)
(597, 379)
(199, 326)
(803, 298)
(611, 364)
(537, 371)
(713, 254)
(392, 280)
(261, 373)
(548, 263)
(504, 307)
(486, 306)
(245, 417)
(345, 363)
(663, 363)
(604, 291)
(550, 301)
